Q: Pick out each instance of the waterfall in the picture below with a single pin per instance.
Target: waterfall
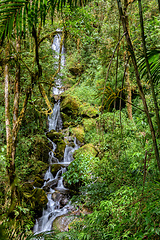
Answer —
(54, 184)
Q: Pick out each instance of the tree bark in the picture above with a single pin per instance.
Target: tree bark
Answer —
(10, 161)
(142, 95)
(148, 67)
(16, 98)
(159, 5)
(128, 84)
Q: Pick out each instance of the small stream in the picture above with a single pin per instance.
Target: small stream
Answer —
(54, 185)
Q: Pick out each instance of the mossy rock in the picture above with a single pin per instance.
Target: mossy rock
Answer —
(88, 149)
(54, 136)
(89, 124)
(65, 117)
(70, 105)
(62, 223)
(59, 152)
(57, 138)
(86, 110)
(55, 168)
(38, 182)
(79, 133)
(40, 148)
(38, 200)
(38, 168)
(76, 70)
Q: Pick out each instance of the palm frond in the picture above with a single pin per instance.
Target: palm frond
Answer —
(154, 62)
(18, 13)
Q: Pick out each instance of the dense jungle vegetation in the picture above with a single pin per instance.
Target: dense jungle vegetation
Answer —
(110, 103)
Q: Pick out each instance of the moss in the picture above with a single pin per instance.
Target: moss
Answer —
(89, 124)
(87, 149)
(88, 111)
(70, 105)
(54, 136)
(59, 152)
(39, 168)
(38, 182)
(40, 148)
(38, 200)
(79, 133)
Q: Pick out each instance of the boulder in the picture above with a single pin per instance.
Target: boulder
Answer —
(50, 184)
(79, 133)
(62, 223)
(57, 138)
(70, 105)
(40, 149)
(88, 149)
(54, 136)
(86, 110)
(38, 168)
(57, 166)
(60, 197)
(38, 182)
(37, 199)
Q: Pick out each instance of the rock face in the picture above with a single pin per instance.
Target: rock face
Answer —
(57, 166)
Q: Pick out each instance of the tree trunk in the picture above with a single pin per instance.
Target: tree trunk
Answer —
(148, 67)
(16, 98)
(128, 84)
(159, 5)
(130, 46)
(10, 161)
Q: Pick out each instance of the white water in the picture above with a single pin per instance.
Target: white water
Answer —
(54, 208)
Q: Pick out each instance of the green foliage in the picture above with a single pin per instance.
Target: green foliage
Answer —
(79, 171)
(154, 61)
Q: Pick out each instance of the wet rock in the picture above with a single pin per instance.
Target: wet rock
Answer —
(64, 201)
(59, 152)
(37, 200)
(60, 197)
(38, 168)
(54, 136)
(62, 223)
(57, 138)
(50, 184)
(76, 70)
(57, 166)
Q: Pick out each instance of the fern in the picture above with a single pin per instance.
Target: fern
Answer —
(154, 61)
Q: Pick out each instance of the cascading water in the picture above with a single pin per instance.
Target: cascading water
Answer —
(54, 209)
